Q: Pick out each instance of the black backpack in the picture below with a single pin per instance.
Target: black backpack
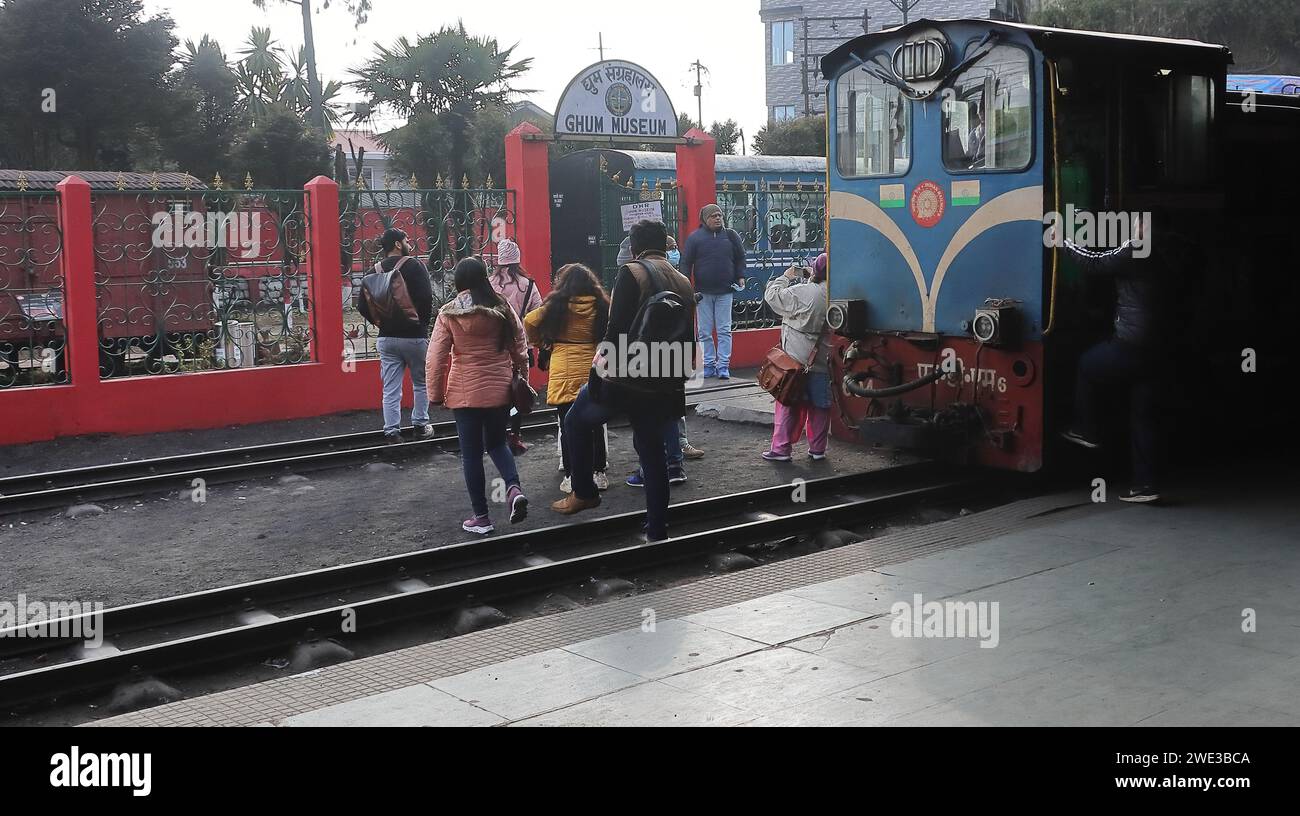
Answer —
(664, 317)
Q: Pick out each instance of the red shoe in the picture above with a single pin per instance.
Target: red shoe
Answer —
(517, 446)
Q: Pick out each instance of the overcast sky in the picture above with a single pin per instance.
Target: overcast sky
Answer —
(665, 37)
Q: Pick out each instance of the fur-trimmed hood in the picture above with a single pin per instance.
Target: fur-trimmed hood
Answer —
(463, 305)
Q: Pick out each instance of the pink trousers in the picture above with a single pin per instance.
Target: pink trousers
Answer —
(791, 422)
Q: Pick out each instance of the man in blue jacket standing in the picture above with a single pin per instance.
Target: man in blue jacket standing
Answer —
(714, 260)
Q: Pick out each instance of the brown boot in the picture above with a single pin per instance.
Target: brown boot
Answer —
(571, 504)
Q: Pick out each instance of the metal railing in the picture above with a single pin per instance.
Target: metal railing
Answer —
(444, 224)
(33, 333)
(200, 280)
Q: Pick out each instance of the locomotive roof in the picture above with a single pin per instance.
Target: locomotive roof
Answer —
(98, 179)
(650, 160)
(1053, 42)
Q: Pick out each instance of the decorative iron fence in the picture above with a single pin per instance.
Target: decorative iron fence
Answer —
(444, 224)
(33, 334)
(200, 280)
(781, 224)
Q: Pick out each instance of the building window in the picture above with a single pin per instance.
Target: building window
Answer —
(783, 113)
(871, 124)
(782, 42)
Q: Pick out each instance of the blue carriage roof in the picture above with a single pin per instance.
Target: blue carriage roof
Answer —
(649, 160)
(1266, 84)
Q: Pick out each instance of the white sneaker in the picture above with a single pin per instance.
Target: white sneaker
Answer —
(566, 485)
(559, 467)
(602, 480)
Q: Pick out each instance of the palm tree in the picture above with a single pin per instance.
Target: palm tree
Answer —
(449, 75)
(360, 10)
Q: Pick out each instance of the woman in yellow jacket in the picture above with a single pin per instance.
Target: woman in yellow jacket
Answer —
(571, 322)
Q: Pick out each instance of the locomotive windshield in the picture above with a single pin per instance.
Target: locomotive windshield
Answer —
(987, 117)
(871, 123)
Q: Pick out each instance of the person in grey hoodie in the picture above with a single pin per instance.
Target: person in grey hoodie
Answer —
(714, 260)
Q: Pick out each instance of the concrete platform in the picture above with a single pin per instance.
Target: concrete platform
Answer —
(1106, 615)
(758, 409)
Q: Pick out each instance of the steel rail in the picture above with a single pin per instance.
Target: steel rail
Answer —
(225, 643)
(41, 491)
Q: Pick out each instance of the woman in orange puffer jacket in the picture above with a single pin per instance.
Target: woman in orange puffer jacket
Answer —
(478, 344)
(572, 322)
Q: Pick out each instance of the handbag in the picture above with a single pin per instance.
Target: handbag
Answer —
(522, 395)
(544, 357)
(784, 377)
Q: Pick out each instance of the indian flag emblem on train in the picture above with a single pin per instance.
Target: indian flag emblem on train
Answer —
(928, 204)
(966, 193)
(893, 196)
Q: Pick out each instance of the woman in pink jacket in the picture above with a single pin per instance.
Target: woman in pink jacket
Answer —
(512, 283)
(478, 344)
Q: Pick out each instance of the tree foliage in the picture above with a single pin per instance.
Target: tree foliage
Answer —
(452, 88)
(1264, 35)
(805, 136)
(281, 151)
(105, 64)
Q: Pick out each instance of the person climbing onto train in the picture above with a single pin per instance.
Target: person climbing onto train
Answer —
(802, 304)
(403, 340)
(568, 325)
(1131, 360)
(478, 344)
(714, 261)
(650, 298)
(520, 291)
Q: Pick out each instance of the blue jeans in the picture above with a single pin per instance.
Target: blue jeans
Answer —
(649, 437)
(714, 312)
(396, 355)
(480, 430)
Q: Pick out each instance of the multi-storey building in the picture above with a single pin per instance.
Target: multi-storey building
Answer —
(799, 32)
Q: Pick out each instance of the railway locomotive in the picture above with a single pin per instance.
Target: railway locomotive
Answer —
(959, 323)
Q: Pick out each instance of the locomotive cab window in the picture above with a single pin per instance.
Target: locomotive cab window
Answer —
(871, 127)
(1169, 136)
(988, 115)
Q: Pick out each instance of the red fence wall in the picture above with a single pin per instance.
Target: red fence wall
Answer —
(328, 384)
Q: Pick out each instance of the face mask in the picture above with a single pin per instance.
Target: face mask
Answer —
(674, 257)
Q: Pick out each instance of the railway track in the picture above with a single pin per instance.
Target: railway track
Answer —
(43, 491)
(249, 620)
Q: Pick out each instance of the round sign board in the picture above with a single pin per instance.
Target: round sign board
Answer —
(616, 100)
(928, 204)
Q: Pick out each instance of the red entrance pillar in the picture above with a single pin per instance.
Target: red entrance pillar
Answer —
(528, 174)
(81, 318)
(324, 274)
(697, 177)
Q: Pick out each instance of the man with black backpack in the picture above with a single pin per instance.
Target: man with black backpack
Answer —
(640, 371)
(397, 298)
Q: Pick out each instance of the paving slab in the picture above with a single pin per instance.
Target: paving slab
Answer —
(535, 684)
(648, 704)
(771, 680)
(412, 706)
(776, 618)
(673, 647)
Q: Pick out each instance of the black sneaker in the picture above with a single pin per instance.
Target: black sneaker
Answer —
(676, 475)
(392, 439)
(423, 432)
(1140, 495)
(1079, 439)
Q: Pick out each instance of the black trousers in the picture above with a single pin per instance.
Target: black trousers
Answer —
(600, 454)
(1114, 371)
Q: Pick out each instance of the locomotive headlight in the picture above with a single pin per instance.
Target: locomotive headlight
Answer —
(985, 327)
(996, 324)
(847, 318)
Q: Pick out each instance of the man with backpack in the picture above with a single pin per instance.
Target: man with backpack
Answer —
(714, 260)
(397, 298)
(640, 371)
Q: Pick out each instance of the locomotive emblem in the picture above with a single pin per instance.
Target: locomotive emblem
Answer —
(928, 204)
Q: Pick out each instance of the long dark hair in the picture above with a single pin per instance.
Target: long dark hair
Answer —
(517, 275)
(472, 277)
(574, 280)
